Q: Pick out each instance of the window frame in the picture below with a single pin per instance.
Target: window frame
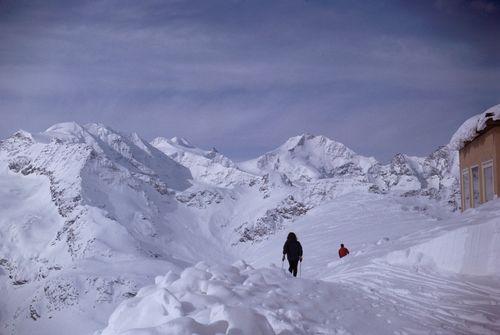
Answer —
(471, 190)
(467, 172)
(484, 165)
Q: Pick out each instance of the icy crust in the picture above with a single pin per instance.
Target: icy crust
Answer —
(470, 129)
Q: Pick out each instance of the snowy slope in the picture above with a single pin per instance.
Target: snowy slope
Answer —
(382, 287)
(471, 250)
(209, 167)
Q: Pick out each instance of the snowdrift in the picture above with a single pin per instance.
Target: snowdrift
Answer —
(241, 300)
(471, 250)
(202, 300)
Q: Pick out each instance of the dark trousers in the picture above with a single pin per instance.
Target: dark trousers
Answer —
(293, 266)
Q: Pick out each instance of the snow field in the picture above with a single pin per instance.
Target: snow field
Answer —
(440, 303)
(404, 258)
(365, 293)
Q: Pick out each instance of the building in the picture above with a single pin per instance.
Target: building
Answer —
(480, 163)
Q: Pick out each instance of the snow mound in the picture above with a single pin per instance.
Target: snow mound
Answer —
(202, 300)
(471, 128)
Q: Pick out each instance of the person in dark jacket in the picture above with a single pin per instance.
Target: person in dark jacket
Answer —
(343, 251)
(293, 251)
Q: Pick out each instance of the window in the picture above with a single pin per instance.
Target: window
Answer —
(476, 200)
(489, 193)
(466, 188)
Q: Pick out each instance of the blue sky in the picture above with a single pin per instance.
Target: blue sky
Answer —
(380, 76)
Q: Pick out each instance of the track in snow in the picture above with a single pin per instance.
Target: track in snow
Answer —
(444, 304)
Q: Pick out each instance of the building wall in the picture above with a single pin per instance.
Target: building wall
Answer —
(483, 148)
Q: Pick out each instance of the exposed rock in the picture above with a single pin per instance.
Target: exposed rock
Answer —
(200, 199)
(272, 221)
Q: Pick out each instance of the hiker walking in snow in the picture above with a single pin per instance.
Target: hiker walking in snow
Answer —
(293, 251)
(343, 251)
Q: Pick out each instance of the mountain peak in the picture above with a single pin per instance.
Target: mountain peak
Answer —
(65, 131)
(71, 131)
(23, 134)
(65, 128)
(307, 141)
(181, 141)
(307, 157)
(297, 141)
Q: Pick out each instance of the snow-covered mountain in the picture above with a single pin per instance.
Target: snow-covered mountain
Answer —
(327, 168)
(91, 214)
(79, 202)
(434, 176)
(308, 157)
(208, 166)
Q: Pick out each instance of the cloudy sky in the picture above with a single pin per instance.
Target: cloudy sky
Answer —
(380, 76)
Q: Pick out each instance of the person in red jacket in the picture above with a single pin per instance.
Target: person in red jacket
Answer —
(343, 251)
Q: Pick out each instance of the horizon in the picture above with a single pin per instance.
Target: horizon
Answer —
(209, 146)
(382, 78)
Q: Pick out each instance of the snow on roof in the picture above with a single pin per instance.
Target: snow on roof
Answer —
(471, 128)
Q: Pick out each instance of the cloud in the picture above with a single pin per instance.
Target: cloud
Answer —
(456, 6)
(244, 76)
(484, 6)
